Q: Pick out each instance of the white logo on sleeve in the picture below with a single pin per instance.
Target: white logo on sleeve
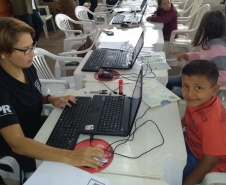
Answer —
(5, 110)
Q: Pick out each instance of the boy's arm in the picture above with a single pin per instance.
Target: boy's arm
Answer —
(203, 167)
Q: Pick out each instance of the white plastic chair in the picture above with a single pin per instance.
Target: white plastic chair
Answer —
(190, 10)
(180, 5)
(186, 35)
(214, 178)
(60, 67)
(72, 37)
(52, 85)
(45, 18)
(100, 18)
(10, 162)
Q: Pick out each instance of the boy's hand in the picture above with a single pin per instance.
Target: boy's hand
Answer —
(182, 56)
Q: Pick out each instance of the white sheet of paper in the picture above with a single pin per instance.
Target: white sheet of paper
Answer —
(55, 173)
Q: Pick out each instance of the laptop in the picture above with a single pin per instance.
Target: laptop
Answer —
(128, 17)
(123, 120)
(113, 59)
(130, 58)
(139, 8)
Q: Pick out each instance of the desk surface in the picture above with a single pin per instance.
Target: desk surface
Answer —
(164, 163)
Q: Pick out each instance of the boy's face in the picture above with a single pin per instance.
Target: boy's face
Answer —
(197, 90)
(166, 5)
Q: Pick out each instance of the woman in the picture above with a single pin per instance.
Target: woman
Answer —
(21, 103)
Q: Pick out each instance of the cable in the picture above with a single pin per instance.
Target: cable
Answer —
(113, 91)
(109, 88)
(131, 139)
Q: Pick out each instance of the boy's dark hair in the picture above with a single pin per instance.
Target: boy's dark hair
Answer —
(202, 68)
(212, 26)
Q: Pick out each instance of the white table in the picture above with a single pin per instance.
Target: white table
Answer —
(163, 163)
(81, 77)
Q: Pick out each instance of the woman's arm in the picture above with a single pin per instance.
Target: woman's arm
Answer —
(22, 145)
(60, 101)
(204, 166)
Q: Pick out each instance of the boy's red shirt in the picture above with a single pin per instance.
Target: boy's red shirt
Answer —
(206, 131)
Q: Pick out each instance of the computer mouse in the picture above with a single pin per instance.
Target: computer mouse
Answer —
(105, 75)
(124, 24)
(100, 159)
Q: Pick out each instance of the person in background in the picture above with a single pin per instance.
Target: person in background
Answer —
(205, 122)
(166, 13)
(68, 7)
(211, 37)
(92, 7)
(21, 101)
(26, 10)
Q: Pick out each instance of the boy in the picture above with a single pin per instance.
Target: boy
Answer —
(205, 122)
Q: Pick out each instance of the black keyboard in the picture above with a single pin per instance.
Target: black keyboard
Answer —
(94, 62)
(120, 60)
(66, 131)
(131, 18)
(118, 19)
(111, 117)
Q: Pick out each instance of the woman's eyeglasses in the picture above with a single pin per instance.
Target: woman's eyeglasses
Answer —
(28, 50)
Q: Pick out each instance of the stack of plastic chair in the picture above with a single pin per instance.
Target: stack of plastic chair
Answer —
(186, 35)
(190, 10)
(180, 5)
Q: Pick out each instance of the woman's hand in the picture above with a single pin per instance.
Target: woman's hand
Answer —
(84, 157)
(62, 101)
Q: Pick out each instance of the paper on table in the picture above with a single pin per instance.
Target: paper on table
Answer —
(156, 62)
(124, 46)
(155, 94)
(123, 9)
(55, 173)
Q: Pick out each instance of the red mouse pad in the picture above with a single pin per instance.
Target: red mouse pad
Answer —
(99, 143)
(115, 75)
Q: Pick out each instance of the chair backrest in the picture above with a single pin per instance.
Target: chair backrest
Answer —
(93, 36)
(81, 13)
(63, 23)
(196, 18)
(182, 4)
(193, 7)
(41, 66)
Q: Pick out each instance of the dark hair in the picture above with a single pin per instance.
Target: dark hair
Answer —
(10, 30)
(159, 10)
(202, 68)
(212, 26)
